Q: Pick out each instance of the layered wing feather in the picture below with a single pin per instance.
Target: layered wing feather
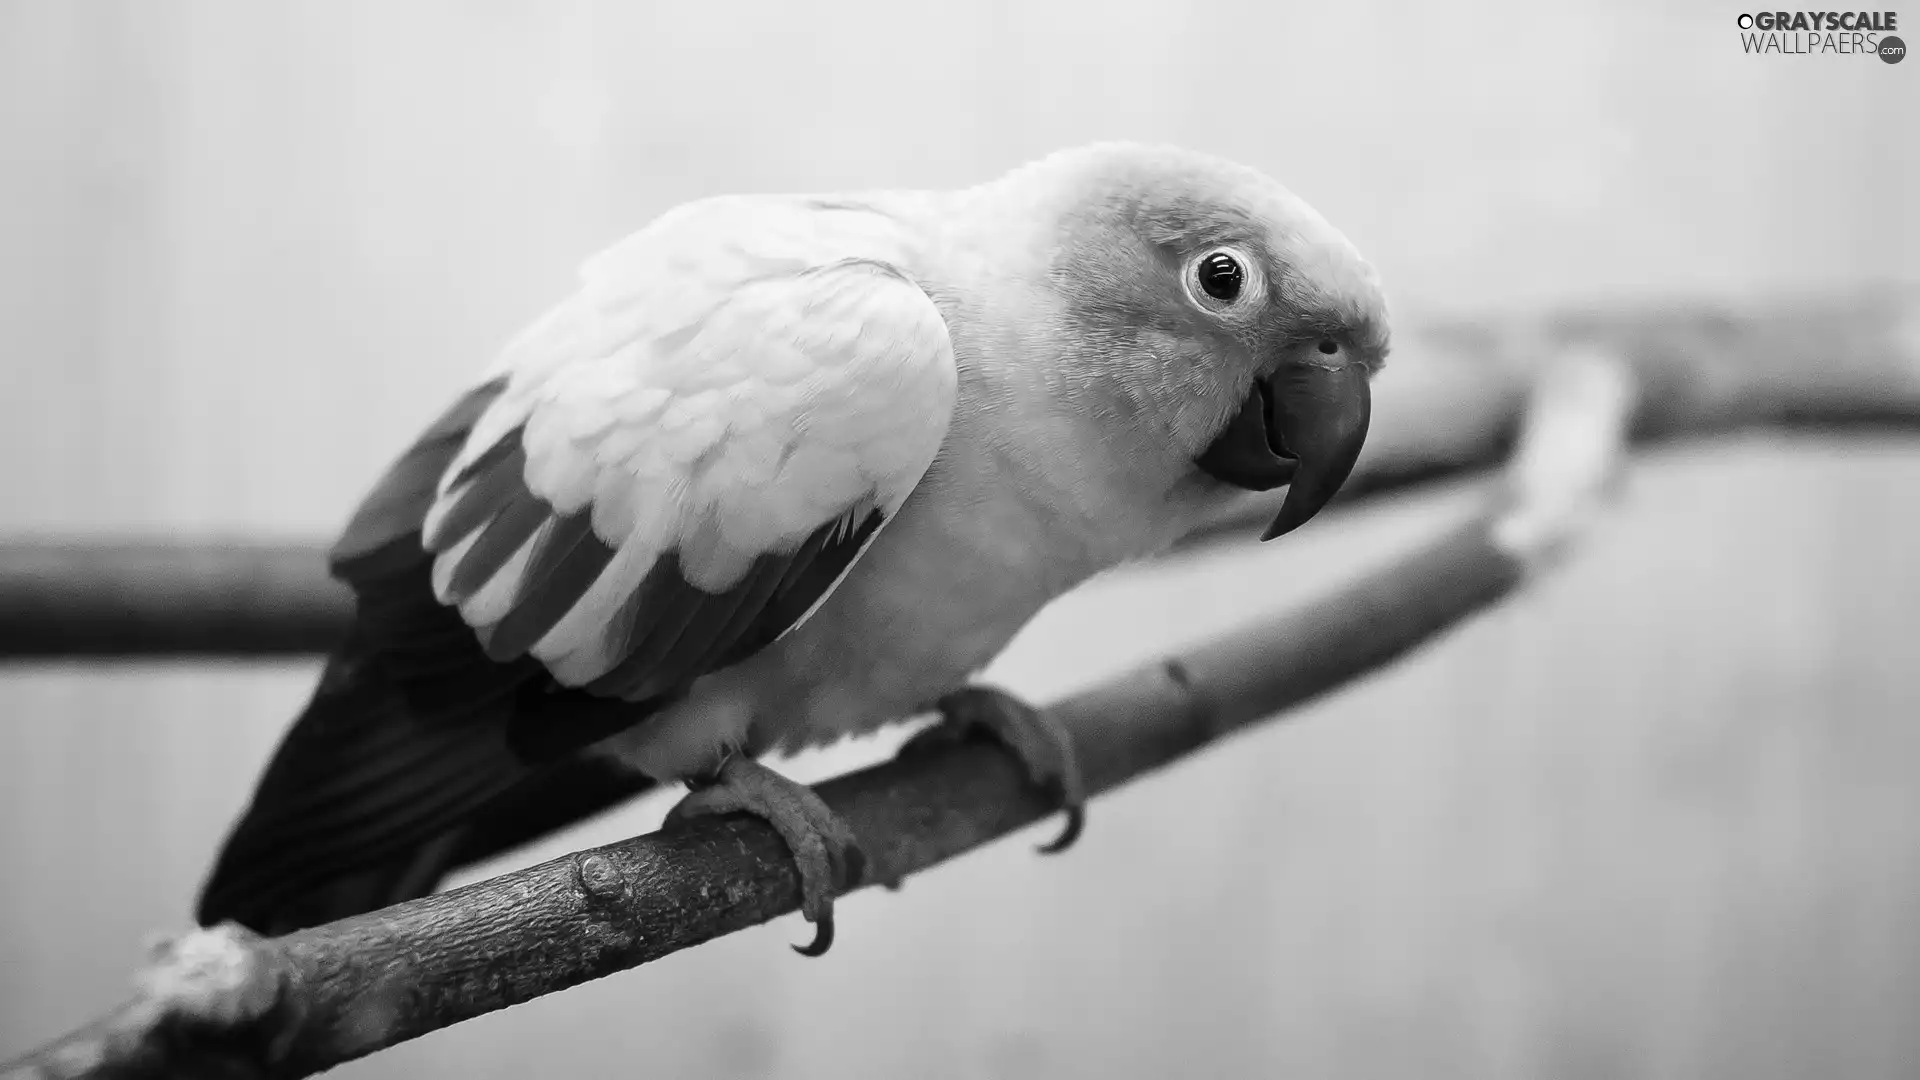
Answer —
(690, 453)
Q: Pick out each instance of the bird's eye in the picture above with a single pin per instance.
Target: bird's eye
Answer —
(1221, 276)
(1329, 346)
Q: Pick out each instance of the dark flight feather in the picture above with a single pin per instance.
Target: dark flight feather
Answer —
(544, 599)
(428, 746)
(508, 530)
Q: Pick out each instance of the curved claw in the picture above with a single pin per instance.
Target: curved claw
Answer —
(822, 938)
(1076, 822)
(825, 853)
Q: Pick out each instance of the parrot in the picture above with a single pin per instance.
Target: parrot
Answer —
(784, 469)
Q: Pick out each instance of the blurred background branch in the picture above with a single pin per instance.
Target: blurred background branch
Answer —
(1451, 406)
(103, 598)
(296, 1005)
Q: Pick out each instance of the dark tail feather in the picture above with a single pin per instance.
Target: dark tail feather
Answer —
(557, 797)
(363, 805)
(417, 754)
(370, 889)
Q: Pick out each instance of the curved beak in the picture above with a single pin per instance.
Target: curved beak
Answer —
(1304, 426)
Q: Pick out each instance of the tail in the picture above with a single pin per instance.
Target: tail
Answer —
(417, 754)
(365, 804)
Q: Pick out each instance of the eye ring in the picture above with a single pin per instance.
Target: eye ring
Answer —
(1222, 279)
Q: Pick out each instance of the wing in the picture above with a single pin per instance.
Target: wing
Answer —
(664, 474)
(688, 456)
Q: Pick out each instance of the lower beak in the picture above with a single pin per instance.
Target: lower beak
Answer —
(1303, 426)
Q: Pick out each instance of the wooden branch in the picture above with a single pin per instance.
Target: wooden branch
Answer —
(1450, 404)
(226, 1002)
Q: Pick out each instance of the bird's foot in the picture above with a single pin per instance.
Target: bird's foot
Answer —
(823, 847)
(1034, 736)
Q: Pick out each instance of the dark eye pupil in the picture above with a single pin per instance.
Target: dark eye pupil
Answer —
(1221, 276)
(1329, 347)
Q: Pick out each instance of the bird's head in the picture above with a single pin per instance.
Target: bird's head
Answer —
(1235, 325)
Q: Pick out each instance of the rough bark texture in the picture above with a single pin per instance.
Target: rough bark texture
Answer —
(227, 1003)
(1450, 404)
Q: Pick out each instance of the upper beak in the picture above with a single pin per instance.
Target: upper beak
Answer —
(1303, 425)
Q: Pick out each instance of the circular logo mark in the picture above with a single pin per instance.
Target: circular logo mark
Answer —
(1892, 50)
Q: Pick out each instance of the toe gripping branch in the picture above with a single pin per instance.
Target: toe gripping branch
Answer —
(1042, 744)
